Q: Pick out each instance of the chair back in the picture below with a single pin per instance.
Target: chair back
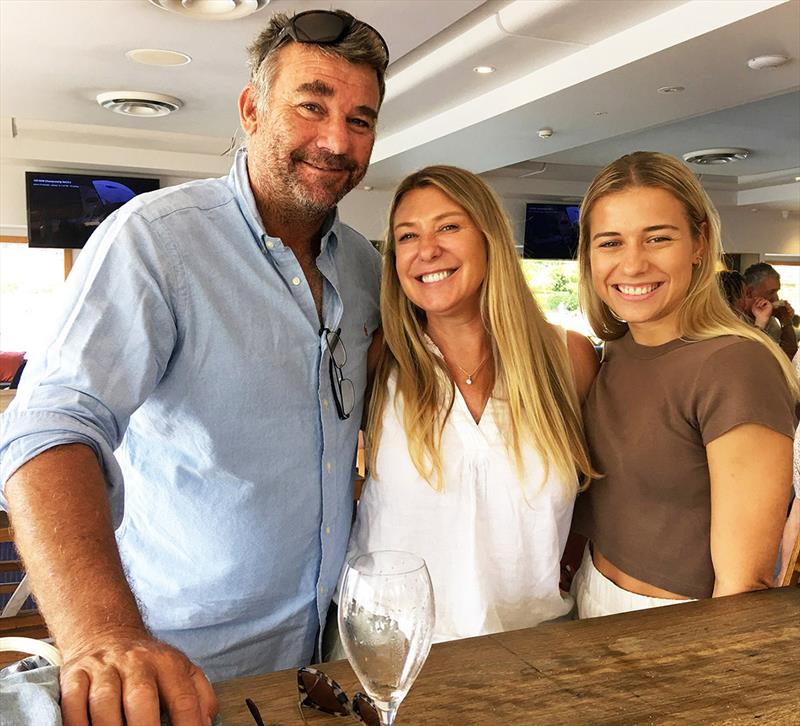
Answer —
(791, 575)
(19, 617)
(9, 365)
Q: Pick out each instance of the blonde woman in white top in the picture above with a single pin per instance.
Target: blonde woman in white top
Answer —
(474, 440)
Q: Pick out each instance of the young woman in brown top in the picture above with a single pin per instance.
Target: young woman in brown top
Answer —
(690, 419)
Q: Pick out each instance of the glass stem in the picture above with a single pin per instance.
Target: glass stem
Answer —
(387, 716)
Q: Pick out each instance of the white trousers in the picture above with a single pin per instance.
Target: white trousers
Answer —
(595, 595)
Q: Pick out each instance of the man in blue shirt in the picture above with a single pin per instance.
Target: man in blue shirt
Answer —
(215, 335)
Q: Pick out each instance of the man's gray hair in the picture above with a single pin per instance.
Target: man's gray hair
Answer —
(759, 272)
(361, 44)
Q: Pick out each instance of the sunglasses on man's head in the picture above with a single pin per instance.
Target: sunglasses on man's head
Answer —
(321, 27)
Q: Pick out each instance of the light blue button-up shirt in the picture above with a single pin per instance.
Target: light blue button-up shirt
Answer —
(190, 344)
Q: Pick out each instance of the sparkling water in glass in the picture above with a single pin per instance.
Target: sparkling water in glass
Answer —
(386, 616)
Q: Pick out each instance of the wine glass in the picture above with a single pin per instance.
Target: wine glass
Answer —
(386, 616)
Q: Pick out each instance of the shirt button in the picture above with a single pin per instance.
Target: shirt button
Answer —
(328, 467)
(327, 530)
(270, 245)
(324, 403)
(322, 589)
(295, 280)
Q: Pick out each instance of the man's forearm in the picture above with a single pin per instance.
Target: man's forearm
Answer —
(788, 340)
(62, 527)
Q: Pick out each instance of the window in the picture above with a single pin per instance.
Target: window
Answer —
(30, 285)
(555, 285)
(790, 284)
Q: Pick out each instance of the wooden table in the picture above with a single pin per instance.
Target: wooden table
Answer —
(730, 660)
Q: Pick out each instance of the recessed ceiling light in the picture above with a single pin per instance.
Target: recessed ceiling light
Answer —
(483, 70)
(142, 104)
(716, 156)
(367, 188)
(212, 9)
(767, 61)
(797, 178)
(157, 57)
(671, 89)
(601, 113)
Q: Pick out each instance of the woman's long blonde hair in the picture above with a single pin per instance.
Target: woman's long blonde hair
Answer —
(531, 363)
(703, 313)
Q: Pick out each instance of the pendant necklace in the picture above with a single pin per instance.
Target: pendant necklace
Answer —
(468, 374)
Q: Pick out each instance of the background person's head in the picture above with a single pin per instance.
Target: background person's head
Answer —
(654, 170)
(734, 288)
(763, 281)
(310, 112)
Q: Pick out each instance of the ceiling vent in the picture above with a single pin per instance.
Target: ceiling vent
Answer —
(212, 9)
(141, 104)
(716, 156)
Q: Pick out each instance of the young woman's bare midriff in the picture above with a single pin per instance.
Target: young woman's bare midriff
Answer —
(626, 582)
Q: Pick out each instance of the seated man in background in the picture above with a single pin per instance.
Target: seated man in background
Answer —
(763, 283)
(204, 335)
(757, 312)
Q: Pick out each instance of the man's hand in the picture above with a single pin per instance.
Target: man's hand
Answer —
(783, 311)
(122, 677)
(788, 342)
(113, 668)
(761, 311)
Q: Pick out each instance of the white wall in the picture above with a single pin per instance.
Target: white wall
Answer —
(763, 231)
(366, 212)
(12, 200)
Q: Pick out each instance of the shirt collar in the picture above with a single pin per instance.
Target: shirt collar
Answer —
(240, 181)
(331, 231)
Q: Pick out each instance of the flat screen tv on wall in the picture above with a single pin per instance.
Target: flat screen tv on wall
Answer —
(551, 231)
(64, 209)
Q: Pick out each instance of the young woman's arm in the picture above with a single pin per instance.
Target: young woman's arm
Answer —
(585, 363)
(751, 472)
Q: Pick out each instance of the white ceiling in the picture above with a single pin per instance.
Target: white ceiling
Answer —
(560, 63)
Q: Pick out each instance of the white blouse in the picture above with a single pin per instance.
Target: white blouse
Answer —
(492, 540)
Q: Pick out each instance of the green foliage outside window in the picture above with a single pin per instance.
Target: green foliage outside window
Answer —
(554, 283)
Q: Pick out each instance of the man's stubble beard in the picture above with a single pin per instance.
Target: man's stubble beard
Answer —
(291, 198)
